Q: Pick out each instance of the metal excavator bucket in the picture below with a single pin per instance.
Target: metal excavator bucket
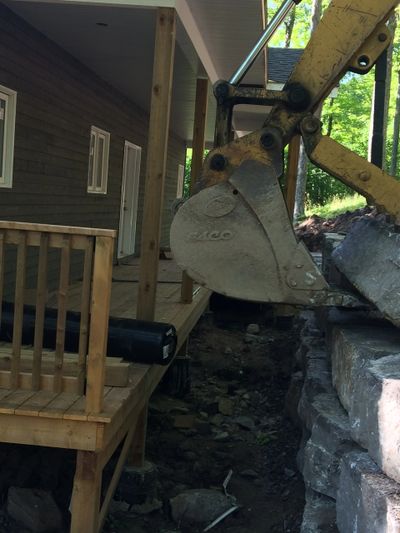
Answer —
(236, 238)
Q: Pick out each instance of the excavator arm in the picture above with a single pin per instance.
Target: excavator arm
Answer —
(234, 235)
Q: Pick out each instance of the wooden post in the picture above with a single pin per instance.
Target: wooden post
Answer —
(100, 312)
(138, 445)
(291, 174)
(85, 502)
(156, 161)
(200, 118)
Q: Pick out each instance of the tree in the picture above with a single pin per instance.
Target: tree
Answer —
(299, 207)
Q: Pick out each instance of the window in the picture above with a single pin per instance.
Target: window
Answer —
(8, 105)
(181, 179)
(98, 161)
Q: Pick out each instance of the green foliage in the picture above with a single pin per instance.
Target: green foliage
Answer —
(322, 188)
(188, 165)
(338, 206)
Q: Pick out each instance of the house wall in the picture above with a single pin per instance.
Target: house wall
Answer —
(58, 101)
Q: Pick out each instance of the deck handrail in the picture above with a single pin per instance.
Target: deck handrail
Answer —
(97, 246)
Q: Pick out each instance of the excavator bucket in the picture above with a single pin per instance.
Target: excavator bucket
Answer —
(236, 238)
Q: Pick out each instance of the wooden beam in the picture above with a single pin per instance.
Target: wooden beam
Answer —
(100, 312)
(156, 161)
(200, 119)
(137, 448)
(85, 501)
(291, 174)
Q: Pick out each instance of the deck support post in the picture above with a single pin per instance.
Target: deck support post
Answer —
(156, 161)
(85, 503)
(200, 118)
(291, 174)
(137, 452)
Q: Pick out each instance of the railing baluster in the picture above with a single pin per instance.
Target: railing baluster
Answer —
(18, 310)
(41, 295)
(85, 310)
(65, 263)
(2, 267)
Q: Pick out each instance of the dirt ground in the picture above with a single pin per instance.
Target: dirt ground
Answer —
(311, 230)
(233, 419)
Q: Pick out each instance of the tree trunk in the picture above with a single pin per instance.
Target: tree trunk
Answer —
(396, 131)
(299, 205)
(299, 209)
(289, 25)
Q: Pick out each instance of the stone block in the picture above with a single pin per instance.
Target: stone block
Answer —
(327, 318)
(317, 381)
(367, 500)
(292, 397)
(375, 413)
(330, 440)
(329, 270)
(352, 350)
(369, 258)
(199, 506)
(319, 514)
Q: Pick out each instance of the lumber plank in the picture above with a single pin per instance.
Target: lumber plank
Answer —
(40, 310)
(116, 474)
(34, 404)
(85, 309)
(101, 295)
(156, 161)
(61, 403)
(78, 242)
(50, 228)
(198, 145)
(77, 411)
(18, 309)
(85, 502)
(9, 404)
(65, 263)
(112, 403)
(2, 267)
(68, 384)
(57, 433)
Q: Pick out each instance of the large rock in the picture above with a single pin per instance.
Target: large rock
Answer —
(319, 514)
(317, 381)
(199, 506)
(366, 374)
(329, 270)
(367, 501)
(375, 413)
(330, 440)
(34, 509)
(353, 348)
(292, 398)
(369, 258)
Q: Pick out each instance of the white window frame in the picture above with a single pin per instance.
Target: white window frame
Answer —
(6, 172)
(181, 181)
(97, 134)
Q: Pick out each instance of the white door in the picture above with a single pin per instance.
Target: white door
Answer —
(129, 200)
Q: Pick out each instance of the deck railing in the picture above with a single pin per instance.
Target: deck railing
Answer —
(97, 247)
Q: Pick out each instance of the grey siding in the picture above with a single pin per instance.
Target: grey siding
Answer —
(58, 101)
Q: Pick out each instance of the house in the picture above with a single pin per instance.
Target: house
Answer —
(76, 79)
(98, 102)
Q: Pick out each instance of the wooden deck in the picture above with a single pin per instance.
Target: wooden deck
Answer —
(169, 307)
(84, 401)
(128, 385)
